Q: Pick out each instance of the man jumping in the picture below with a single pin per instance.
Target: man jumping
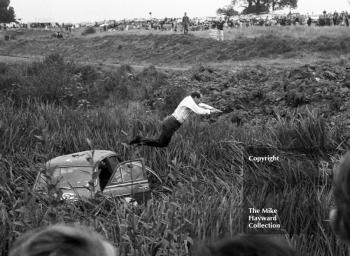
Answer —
(173, 122)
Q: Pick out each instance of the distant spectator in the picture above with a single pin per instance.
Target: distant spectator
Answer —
(220, 27)
(185, 23)
(335, 18)
(284, 21)
(346, 19)
(62, 240)
(267, 22)
(309, 21)
(322, 19)
(174, 25)
(249, 245)
(296, 21)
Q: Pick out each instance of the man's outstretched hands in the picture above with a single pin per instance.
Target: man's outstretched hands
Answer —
(212, 111)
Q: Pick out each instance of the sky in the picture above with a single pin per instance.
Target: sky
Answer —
(88, 10)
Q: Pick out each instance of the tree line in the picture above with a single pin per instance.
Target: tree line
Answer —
(256, 6)
(7, 13)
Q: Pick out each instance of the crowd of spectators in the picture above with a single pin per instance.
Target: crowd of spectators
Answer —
(334, 19)
(195, 24)
(240, 21)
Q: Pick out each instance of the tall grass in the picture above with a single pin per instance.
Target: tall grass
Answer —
(66, 131)
(203, 169)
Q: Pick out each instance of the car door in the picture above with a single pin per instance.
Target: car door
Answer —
(129, 179)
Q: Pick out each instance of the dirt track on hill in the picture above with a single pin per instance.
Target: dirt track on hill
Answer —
(18, 59)
(233, 66)
(106, 65)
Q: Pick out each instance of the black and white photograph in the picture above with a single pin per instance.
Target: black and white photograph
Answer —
(174, 128)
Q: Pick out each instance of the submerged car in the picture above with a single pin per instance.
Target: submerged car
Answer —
(87, 173)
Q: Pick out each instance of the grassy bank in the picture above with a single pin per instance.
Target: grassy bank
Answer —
(139, 47)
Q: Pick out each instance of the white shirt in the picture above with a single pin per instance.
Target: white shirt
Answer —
(185, 107)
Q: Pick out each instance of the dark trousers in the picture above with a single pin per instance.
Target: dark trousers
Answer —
(185, 29)
(169, 126)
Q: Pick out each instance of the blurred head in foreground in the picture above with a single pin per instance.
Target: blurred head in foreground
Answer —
(249, 245)
(340, 217)
(62, 240)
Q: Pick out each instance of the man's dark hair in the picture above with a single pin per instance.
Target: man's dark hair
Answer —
(247, 245)
(60, 240)
(195, 95)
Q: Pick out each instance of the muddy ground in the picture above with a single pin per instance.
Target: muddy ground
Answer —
(259, 93)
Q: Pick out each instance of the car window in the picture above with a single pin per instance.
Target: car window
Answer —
(76, 176)
(117, 178)
(106, 172)
(113, 160)
(129, 171)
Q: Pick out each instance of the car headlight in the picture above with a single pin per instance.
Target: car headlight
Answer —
(69, 196)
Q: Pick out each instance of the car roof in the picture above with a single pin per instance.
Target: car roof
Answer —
(79, 158)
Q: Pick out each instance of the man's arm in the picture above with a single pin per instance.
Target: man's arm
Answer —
(206, 106)
(213, 110)
(191, 104)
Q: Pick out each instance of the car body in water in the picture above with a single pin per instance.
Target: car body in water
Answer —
(88, 173)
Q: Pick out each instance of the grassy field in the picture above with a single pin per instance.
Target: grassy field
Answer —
(52, 107)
